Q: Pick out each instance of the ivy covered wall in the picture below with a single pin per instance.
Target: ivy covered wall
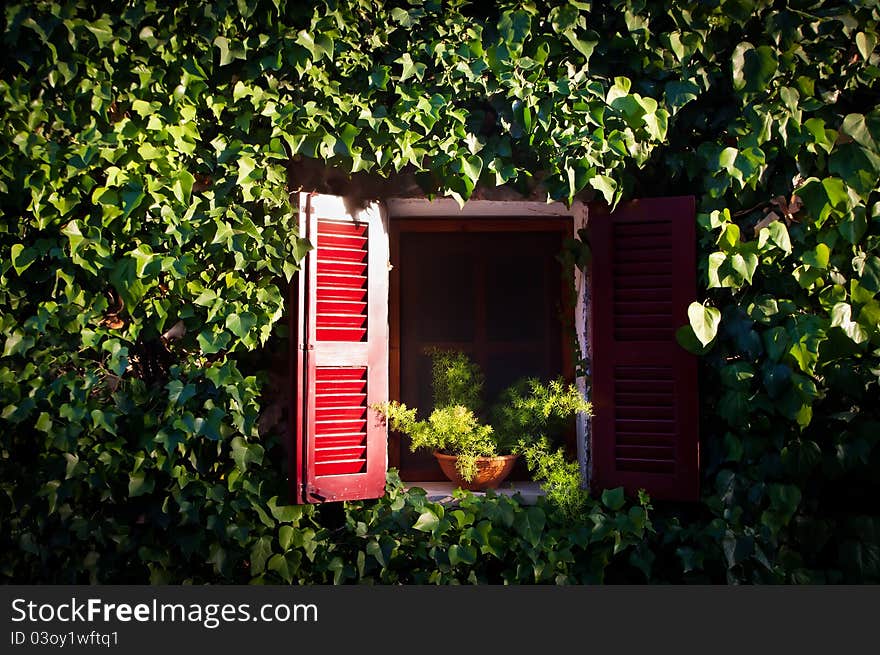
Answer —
(147, 233)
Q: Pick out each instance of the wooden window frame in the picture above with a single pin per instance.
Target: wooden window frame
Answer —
(445, 215)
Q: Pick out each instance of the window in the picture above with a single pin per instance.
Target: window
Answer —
(644, 433)
(490, 288)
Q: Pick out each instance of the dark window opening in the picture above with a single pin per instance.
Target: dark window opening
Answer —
(497, 296)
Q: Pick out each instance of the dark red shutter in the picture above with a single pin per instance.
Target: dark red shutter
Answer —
(342, 359)
(643, 277)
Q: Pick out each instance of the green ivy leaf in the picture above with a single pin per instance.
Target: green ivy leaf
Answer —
(614, 499)
(261, 551)
(776, 343)
(563, 18)
(855, 165)
(226, 56)
(279, 564)
(753, 68)
(380, 77)
(241, 324)
(869, 317)
(139, 484)
(856, 126)
(118, 362)
(427, 521)
(729, 238)
(17, 344)
(870, 274)
(745, 265)
(866, 42)
(218, 556)
(472, 167)
(403, 17)
(841, 316)
(606, 186)
(44, 423)
(704, 321)
(182, 186)
(818, 257)
(530, 524)
(102, 30)
(318, 44)
(410, 68)
(678, 94)
(802, 457)
(807, 333)
(286, 536)
(777, 234)
(835, 189)
(245, 453)
(22, 257)
(854, 225)
(246, 166)
(784, 501)
(513, 28)
(737, 549)
(584, 46)
(132, 196)
(737, 61)
(143, 108)
(284, 513)
(688, 340)
(212, 342)
(144, 257)
(462, 554)
(125, 279)
(716, 274)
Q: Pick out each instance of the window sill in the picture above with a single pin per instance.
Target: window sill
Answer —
(441, 491)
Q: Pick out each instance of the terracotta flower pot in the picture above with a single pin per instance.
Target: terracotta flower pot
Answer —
(491, 471)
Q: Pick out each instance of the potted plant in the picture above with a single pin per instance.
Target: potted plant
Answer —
(473, 453)
(466, 449)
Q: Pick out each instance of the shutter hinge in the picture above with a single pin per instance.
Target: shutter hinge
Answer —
(312, 492)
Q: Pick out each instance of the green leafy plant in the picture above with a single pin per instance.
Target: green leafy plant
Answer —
(530, 409)
(524, 414)
(452, 427)
(455, 379)
(453, 430)
(529, 417)
(406, 538)
(559, 476)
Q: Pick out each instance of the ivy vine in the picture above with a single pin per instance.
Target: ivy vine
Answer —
(147, 237)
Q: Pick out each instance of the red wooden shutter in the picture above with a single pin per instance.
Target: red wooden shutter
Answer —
(645, 428)
(342, 359)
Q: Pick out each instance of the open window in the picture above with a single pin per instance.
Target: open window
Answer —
(490, 287)
(485, 279)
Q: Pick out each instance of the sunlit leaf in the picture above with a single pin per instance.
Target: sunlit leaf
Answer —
(704, 321)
